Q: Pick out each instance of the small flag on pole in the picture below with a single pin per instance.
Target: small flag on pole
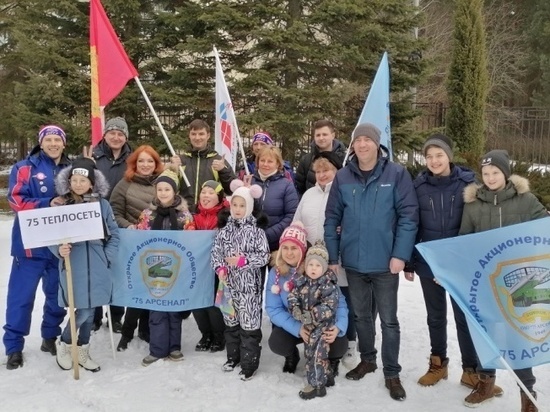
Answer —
(377, 106)
(226, 131)
(110, 66)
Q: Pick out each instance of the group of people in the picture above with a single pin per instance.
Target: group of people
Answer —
(333, 238)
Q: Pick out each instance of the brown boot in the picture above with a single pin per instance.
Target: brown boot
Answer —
(482, 392)
(470, 379)
(526, 404)
(438, 370)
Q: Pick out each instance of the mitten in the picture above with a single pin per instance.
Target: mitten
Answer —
(297, 313)
(307, 318)
(222, 272)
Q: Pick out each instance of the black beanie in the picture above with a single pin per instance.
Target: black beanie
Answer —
(500, 159)
(331, 157)
(443, 142)
(84, 167)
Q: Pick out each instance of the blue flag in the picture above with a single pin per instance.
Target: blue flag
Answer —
(164, 270)
(501, 280)
(377, 106)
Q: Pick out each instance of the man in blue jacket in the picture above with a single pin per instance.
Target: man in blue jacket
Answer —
(373, 202)
(31, 186)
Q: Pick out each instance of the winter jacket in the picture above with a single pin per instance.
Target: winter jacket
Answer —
(311, 212)
(305, 176)
(90, 260)
(485, 209)
(32, 186)
(277, 308)
(241, 237)
(279, 201)
(441, 202)
(183, 217)
(112, 169)
(317, 297)
(378, 217)
(207, 219)
(130, 198)
(197, 166)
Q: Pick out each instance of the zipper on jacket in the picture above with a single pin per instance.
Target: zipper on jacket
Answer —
(452, 204)
(197, 178)
(433, 207)
(442, 214)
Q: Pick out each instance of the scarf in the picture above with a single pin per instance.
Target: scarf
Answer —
(167, 211)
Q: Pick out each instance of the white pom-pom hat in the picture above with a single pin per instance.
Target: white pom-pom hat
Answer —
(248, 193)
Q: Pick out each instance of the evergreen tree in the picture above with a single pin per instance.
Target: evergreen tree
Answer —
(468, 81)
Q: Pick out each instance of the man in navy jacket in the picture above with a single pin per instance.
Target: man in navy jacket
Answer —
(373, 202)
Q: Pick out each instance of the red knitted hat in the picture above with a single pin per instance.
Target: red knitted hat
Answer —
(296, 234)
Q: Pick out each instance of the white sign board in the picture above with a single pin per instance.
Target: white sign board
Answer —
(61, 224)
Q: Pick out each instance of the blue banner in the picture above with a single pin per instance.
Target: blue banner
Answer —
(501, 280)
(164, 270)
(377, 106)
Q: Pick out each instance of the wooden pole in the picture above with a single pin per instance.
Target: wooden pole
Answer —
(72, 320)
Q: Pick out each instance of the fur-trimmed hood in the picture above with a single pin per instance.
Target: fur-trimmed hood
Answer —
(520, 184)
(62, 185)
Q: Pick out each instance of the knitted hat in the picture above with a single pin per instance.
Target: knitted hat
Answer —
(218, 188)
(500, 159)
(116, 123)
(248, 193)
(295, 233)
(84, 167)
(318, 252)
(262, 137)
(441, 141)
(368, 130)
(171, 177)
(331, 157)
(51, 130)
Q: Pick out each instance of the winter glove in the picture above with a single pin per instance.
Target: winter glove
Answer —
(307, 318)
(222, 272)
(297, 313)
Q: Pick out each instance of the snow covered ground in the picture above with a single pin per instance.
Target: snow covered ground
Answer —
(198, 383)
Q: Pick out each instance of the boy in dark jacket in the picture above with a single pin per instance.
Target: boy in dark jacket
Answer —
(313, 302)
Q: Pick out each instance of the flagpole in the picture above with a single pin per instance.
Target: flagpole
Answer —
(519, 382)
(159, 124)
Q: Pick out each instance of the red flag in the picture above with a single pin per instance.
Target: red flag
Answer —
(110, 66)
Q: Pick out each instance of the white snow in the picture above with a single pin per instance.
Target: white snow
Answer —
(198, 383)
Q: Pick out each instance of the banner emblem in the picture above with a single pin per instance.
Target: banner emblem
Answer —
(159, 271)
(522, 290)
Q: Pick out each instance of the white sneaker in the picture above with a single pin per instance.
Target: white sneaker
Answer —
(84, 359)
(63, 357)
(350, 360)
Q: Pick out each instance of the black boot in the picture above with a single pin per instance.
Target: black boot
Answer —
(204, 344)
(15, 360)
(48, 345)
(333, 372)
(218, 343)
(123, 344)
(291, 362)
